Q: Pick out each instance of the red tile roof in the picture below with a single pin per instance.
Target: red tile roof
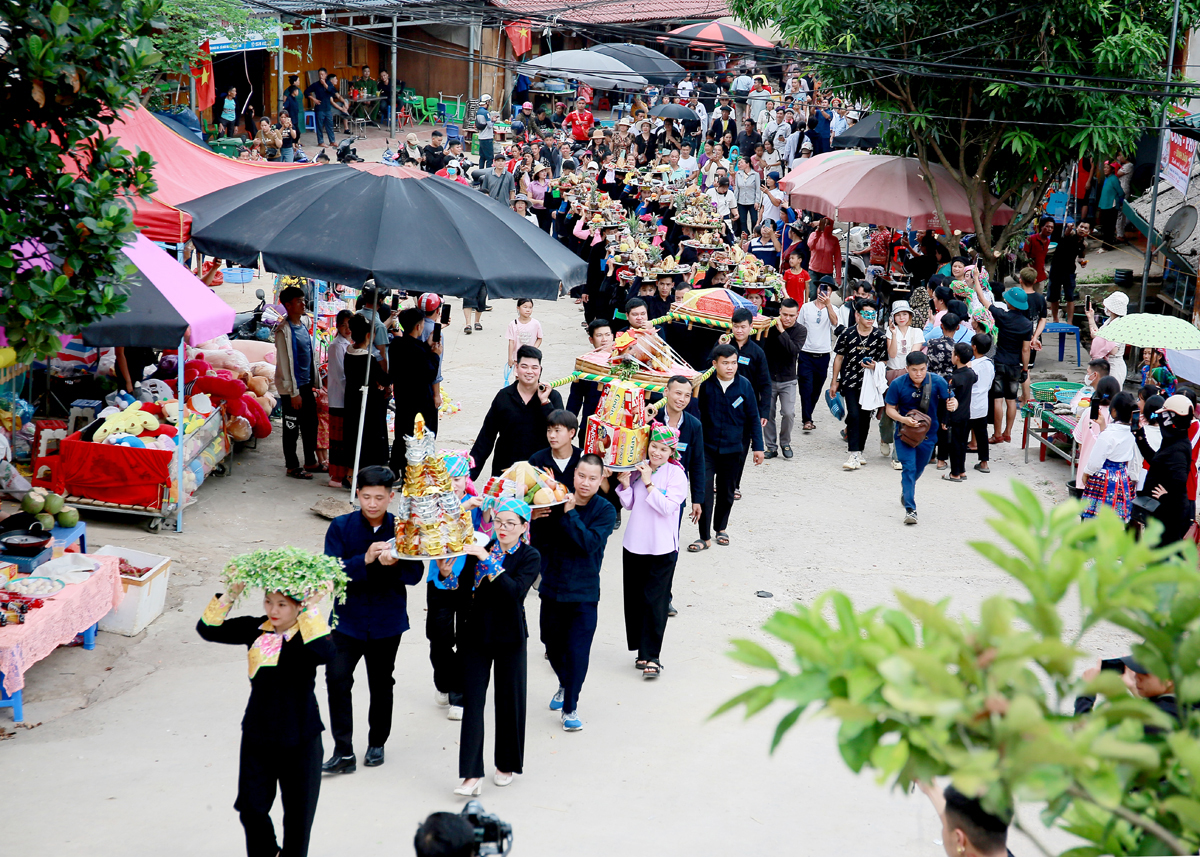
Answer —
(617, 11)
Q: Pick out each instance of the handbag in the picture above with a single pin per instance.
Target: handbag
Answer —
(914, 435)
(893, 374)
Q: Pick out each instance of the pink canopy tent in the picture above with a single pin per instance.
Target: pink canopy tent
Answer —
(884, 189)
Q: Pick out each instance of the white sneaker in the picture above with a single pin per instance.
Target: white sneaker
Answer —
(853, 462)
(442, 699)
(454, 712)
(896, 465)
(885, 449)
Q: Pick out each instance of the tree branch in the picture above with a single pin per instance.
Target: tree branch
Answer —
(1149, 825)
(1040, 847)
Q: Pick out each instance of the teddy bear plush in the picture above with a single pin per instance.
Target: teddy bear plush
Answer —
(133, 420)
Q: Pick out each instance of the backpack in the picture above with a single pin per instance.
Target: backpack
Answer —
(481, 120)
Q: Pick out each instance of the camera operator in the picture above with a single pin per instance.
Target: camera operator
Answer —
(1164, 493)
(1140, 681)
(445, 834)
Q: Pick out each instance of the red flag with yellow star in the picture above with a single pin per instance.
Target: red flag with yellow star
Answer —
(206, 87)
(521, 36)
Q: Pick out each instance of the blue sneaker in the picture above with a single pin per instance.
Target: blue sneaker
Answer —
(571, 721)
(556, 703)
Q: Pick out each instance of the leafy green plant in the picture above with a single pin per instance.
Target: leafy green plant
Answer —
(69, 65)
(987, 700)
(187, 24)
(290, 570)
(1006, 131)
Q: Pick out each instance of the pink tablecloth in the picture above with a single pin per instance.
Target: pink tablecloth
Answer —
(75, 609)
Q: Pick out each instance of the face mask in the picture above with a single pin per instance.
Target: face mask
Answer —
(867, 314)
(451, 171)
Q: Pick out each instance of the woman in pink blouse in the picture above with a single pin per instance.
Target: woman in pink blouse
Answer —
(654, 495)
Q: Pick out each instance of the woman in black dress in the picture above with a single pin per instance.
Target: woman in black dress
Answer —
(494, 637)
(358, 363)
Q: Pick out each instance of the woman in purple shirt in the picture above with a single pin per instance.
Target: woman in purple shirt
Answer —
(653, 494)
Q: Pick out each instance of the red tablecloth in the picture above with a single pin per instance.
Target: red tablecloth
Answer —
(75, 609)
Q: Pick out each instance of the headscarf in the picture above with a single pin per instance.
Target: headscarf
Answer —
(668, 437)
(515, 505)
(976, 309)
(458, 462)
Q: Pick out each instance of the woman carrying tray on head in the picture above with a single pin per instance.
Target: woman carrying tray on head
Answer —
(494, 637)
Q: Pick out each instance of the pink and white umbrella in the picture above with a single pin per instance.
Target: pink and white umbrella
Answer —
(885, 189)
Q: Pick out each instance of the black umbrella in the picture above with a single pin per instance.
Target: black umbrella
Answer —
(673, 111)
(866, 133)
(404, 228)
(653, 65)
(178, 123)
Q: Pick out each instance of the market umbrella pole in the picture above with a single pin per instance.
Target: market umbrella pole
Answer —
(362, 411)
(181, 419)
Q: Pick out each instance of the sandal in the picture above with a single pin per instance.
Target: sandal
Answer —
(737, 495)
(698, 545)
(320, 467)
(299, 473)
(982, 467)
(809, 426)
(996, 439)
(640, 664)
(723, 539)
(479, 326)
(653, 670)
(950, 478)
(1007, 437)
(942, 465)
(467, 330)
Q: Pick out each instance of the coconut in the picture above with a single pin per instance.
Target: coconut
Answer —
(68, 517)
(54, 504)
(32, 503)
(47, 521)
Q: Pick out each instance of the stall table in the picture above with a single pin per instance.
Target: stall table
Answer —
(77, 608)
(1050, 423)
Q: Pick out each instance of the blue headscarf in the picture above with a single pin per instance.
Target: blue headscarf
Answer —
(515, 505)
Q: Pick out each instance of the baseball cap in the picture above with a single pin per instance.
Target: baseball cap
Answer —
(528, 105)
(1128, 659)
(806, 146)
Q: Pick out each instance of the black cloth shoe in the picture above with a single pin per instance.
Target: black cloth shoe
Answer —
(671, 611)
(771, 453)
(374, 757)
(787, 451)
(340, 764)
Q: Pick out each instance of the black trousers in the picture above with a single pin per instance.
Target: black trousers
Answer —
(446, 609)
(296, 770)
(511, 668)
(339, 680)
(944, 441)
(982, 428)
(719, 472)
(647, 585)
(297, 423)
(959, 432)
(567, 630)
(812, 369)
(858, 422)
(741, 467)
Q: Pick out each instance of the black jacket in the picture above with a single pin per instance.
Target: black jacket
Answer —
(783, 350)
(435, 158)
(376, 605)
(412, 366)
(719, 127)
(544, 532)
(496, 613)
(571, 568)
(691, 454)
(752, 365)
(583, 401)
(283, 706)
(729, 417)
(514, 428)
(1169, 467)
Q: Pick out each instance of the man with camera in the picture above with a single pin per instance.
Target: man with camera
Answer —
(465, 834)
(819, 319)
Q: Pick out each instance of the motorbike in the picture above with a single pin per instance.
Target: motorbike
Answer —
(249, 324)
(346, 153)
(389, 158)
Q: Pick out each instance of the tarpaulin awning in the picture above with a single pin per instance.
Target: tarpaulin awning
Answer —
(1166, 207)
(183, 170)
(164, 300)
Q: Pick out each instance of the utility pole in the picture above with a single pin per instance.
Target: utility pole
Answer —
(1162, 139)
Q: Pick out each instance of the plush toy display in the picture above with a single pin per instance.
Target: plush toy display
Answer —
(133, 420)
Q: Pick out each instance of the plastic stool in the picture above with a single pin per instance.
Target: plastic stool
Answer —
(310, 120)
(14, 702)
(83, 412)
(1063, 331)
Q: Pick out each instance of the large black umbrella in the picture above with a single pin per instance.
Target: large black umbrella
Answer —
(673, 111)
(653, 65)
(866, 133)
(182, 124)
(404, 228)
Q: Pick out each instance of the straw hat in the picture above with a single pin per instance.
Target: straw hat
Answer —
(1117, 303)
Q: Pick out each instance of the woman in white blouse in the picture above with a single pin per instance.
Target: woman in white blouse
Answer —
(1109, 481)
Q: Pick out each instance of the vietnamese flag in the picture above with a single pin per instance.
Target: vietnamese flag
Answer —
(206, 88)
(521, 36)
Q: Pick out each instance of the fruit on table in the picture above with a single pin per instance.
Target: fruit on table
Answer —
(32, 503)
(46, 520)
(53, 504)
(68, 517)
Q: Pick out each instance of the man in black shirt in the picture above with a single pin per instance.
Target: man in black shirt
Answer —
(435, 155)
(1072, 246)
(1037, 315)
(782, 345)
(1014, 331)
(748, 139)
(320, 95)
(752, 365)
(722, 125)
(708, 93)
(515, 425)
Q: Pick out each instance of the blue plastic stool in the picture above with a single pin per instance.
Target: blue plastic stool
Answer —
(1063, 331)
(310, 120)
(13, 702)
(89, 637)
(64, 537)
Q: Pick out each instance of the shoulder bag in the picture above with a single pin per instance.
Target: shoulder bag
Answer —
(914, 435)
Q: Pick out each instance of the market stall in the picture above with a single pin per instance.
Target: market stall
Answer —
(32, 631)
(122, 460)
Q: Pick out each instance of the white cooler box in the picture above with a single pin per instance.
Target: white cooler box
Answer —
(144, 597)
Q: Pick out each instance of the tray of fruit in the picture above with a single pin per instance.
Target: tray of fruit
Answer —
(536, 485)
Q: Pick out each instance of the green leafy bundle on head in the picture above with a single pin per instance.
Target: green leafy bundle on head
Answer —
(293, 571)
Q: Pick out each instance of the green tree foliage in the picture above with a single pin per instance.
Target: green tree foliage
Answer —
(987, 700)
(69, 65)
(976, 123)
(187, 24)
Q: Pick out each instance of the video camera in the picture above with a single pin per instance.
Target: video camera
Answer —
(492, 836)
